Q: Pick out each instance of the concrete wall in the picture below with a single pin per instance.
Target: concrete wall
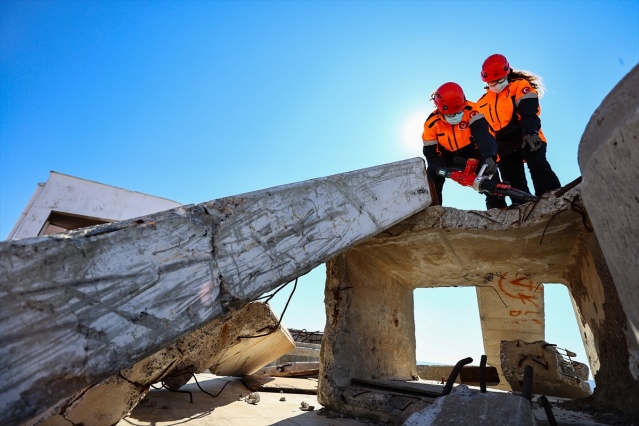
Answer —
(609, 161)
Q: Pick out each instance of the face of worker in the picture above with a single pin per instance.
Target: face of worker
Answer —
(454, 118)
(498, 86)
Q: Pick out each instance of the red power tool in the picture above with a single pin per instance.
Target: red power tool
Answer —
(482, 183)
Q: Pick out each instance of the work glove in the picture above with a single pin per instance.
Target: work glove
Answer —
(491, 167)
(533, 141)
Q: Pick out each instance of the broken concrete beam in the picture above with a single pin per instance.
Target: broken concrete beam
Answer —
(553, 374)
(83, 305)
(109, 401)
(250, 352)
(240, 343)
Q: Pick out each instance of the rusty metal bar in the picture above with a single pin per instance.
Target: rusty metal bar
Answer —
(482, 374)
(526, 389)
(548, 409)
(454, 373)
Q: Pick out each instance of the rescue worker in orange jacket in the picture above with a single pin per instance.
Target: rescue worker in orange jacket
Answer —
(511, 106)
(456, 129)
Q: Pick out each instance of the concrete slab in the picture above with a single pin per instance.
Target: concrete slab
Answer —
(83, 305)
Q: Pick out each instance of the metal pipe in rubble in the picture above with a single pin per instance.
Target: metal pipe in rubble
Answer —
(454, 373)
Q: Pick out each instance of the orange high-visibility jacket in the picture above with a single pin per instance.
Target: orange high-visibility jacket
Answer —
(512, 113)
(473, 128)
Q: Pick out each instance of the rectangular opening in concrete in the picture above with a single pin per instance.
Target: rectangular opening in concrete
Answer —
(562, 328)
(447, 327)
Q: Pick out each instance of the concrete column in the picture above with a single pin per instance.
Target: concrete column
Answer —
(370, 327)
(511, 308)
(607, 338)
(608, 154)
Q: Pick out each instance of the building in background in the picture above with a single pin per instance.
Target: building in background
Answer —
(66, 202)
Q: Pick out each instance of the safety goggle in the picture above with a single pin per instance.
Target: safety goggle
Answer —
(454, 115)
(496, 82)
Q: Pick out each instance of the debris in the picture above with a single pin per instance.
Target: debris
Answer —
(305, 407)
(252, 398)
(555, 372)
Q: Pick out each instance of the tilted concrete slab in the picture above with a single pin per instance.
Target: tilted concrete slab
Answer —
(80, 306)
(109, 401)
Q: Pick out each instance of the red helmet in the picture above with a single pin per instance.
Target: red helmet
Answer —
(494, 68)
(449, 98)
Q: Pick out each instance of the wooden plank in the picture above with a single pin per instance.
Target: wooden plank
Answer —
(80, 306)
(283, 384)
(398, 385)
(468, 375)
(290, 369)
(295, 373)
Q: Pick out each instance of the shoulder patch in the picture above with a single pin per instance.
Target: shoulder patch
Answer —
(473, 113)
(526, 89)
(432, 123)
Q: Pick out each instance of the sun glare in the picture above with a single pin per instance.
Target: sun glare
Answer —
(411, 132)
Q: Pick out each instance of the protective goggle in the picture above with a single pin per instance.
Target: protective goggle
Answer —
(496, 82)
(454, 115)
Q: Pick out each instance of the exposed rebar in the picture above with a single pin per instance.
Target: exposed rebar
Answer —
(526, 389)
(482, 374)
(548, 409)
(453, 374)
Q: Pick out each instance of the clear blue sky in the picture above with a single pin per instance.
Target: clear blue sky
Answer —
(197, 100)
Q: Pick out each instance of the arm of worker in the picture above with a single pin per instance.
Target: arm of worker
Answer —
(483, 139)
(433, 156)
(528, 110)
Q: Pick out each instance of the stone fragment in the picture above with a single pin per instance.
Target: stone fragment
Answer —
(462, 405)
(554, 373)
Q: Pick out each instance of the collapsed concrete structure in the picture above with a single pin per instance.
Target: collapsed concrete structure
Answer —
(97, 296)
(233, 344)
(505, 255)
(91, 302)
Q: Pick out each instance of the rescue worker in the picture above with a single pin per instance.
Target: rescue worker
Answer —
(511, 106)
(456, 129)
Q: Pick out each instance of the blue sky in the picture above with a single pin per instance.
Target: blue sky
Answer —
(197, 100)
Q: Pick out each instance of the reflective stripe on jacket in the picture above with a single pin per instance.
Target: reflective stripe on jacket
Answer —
(450, 137)
(512, 113)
